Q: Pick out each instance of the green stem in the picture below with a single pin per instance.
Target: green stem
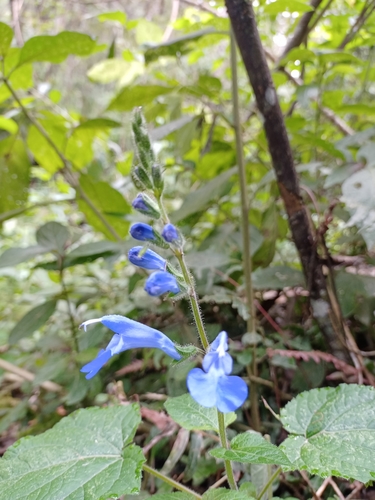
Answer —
(269, 483)
(224, 444)
(193, 298)
(246, 256)
(170, 481)
(69, 305)
(69, 175)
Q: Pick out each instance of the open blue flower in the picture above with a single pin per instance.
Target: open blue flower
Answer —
(142, 232)
(147, 260)
(161, 282)
(214, 386)
(129, 334)
(170, 233)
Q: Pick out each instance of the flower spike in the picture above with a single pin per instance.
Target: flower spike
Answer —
(129, 334)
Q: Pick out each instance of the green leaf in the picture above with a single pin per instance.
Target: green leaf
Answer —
(32, 321)
(6, 37)
(14, 174)
(224, 494)
(251, 448)
(177, 46)
(43, 152)
(111, 70)
(192, 416)
(357, 194)
(286, 5)
(199, 199)
(88, 252)
(174, 496)
(333, 432)
(15, 414)
(14, 256)
(109, 202)
(8, 124)
(56, 48)
(117, 15)
(277, 277)
(140, 95)
(85, 456)
(53, 236)
(99, 124)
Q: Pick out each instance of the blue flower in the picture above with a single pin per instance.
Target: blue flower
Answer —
(214, 386)
(147, 260)
(142, 232)
(146, 205)
(161, 282)
(129, 334)
(139, 204)
(170, 233)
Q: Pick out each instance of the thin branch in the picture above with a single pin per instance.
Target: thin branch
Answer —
(366, 12)
(245, 28)
(174, 15)
(203, 6)
(26, 375)
(301, 30)
(246, 251)
(15, 9)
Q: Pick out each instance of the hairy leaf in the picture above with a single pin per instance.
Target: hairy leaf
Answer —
(333, 432)
(85, 456)
(251, 448)
(192, 416)
(32, 321)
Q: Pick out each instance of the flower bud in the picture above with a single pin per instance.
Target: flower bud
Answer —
(142, 232)
(147, 259)
(157, 177)
(170, 234)
(143, 176)
(146, 205)
(161, 282)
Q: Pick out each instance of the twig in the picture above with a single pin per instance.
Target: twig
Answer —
(174, 15)
(366, 12)
(301, 30)
(336, 488)
(246, 251)
(308, 482)
(15, 9)
(202, 6)
(171, 482)
(322, 487)
(26, 375)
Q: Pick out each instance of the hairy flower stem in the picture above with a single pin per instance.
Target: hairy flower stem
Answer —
(246, 255)
(203, 338)
(224, 444)
(171, 482)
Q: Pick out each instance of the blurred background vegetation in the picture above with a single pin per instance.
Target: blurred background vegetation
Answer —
(65, 201)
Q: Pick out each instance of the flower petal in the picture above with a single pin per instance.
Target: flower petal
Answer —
(202, 387)
(161, 282)
(96, 364)
(231, 393)
(148, 260)
(142, 232)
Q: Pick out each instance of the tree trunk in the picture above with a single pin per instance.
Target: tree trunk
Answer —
(245, 29)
